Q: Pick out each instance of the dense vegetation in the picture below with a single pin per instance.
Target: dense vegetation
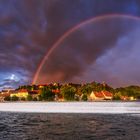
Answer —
(129, 91)
(71, 92)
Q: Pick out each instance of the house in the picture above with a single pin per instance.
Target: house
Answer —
(125, 98)
(96, 96)
(131, 98)
(2, 96)
(7, 90)
(20, 93)
(107, 95)
(103, 95)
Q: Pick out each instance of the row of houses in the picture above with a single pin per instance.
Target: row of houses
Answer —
(23, 93)
(94, 96)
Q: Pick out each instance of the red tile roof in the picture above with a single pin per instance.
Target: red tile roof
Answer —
(106, 93)
(34, 92)
(23, 90)
(56, 91)
(99, 94)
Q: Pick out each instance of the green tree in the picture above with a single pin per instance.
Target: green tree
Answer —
(34, 99)
(84, 97)
(23, 99)
(7, 98)
(68, 92)
(14, 98)
(117, 96)
(86, 89)
(39, 97)
(29, 98)
(47, 94)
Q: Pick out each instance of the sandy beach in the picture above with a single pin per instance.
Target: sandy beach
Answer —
(72, 107)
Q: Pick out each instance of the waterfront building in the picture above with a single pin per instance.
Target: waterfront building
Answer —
(107, 95)
(103, 95)
(96, 96)
(20, 93)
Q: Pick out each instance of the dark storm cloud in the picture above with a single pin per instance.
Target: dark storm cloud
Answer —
(22, 28)
(87, 44)
(28, 28)
(63, 15)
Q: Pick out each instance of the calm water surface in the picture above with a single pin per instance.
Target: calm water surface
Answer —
(31, 126)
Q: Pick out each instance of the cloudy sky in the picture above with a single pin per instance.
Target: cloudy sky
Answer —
(103, 50)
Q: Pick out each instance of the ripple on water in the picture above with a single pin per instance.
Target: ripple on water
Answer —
(68, 126)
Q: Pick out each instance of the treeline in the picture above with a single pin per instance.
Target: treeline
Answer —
(68, 92)
(75, 92)
(130, 91)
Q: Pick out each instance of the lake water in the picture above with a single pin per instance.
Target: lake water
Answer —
(15, 126)
(71, 126)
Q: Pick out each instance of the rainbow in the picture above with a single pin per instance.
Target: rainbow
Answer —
(70, 31)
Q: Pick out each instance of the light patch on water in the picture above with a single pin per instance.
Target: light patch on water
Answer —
(72, 107)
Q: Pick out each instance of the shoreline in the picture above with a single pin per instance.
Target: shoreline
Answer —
(72, 107)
